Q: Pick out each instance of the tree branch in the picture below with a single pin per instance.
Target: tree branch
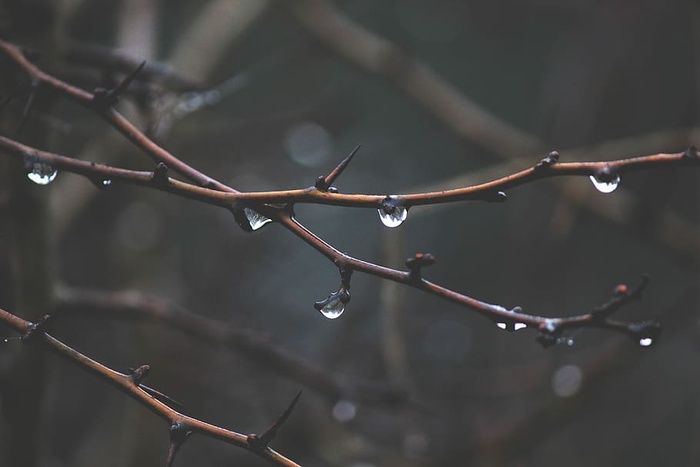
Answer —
(130, 386)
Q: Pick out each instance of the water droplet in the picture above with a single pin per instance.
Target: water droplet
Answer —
(255, 219)
(565, 340)
(42, 174)
(333, 306)
(606, 187)
(502, 326)
(106, 182)
(344, 411)
(519, 326)
(5, 340)
(646, 341)
(392, 213)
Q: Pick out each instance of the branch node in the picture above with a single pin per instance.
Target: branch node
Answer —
(551, 159)
(160, 174)
(417, 262)
(179, 433)
(36, 329)
(139, 374)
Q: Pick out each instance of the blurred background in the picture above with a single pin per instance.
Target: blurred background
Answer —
(266, 95)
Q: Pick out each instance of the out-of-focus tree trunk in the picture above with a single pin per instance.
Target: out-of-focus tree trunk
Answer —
(27, 272)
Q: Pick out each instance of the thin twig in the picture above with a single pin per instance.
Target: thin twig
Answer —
(127, 384)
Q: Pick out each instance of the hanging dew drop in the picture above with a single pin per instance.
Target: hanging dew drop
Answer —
(606, 187)
(333, 306)
(42, 174)
(255, 219)
(392, 213)
(503, 326)
(106, 182)
(646, 341)
(519, 326)
(395, 218)
(333, 309)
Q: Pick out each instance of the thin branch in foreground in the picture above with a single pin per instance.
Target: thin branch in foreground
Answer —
(127, 383)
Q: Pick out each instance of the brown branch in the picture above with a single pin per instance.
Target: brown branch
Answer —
(129, 384)
(549, 328)
(140, 306)
(604, 170)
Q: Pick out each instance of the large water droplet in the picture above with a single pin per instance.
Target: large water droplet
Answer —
(606, 187)
(42, 174)
(392, 213)
(503, 326)
(519, 326)
(255, 219)
(333, 306)
(646, 341)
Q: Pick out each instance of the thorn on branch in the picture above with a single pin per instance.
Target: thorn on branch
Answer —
(551, 159)
(164, 398)
(179, 432)
(260, 443)
(139, 374)
(324, 183)
(160, 174)
(108, 97)
(419, 261)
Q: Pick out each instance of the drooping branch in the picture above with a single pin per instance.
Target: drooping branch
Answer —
(130, 384)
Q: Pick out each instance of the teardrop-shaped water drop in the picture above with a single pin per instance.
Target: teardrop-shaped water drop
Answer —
(646, 341)
(42, 174)
(392, 213)
(333, 306)
(333, 309)
(255, 219)
(519, 326)
(503, 326)
(606, 187)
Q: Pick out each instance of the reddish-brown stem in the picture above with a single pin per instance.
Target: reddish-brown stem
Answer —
(125, 384)
(262, 201)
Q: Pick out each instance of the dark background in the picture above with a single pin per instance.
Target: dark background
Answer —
(595, 80)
